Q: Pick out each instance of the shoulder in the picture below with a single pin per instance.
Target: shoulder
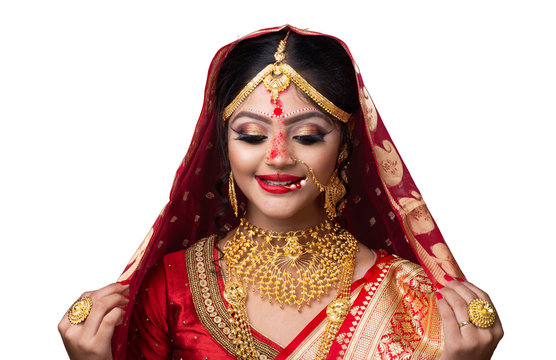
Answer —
(172, 267)
(409, 275)
(177, 260)
(412, 319)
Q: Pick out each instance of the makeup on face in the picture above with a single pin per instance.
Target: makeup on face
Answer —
(280, 183)
(304, 132)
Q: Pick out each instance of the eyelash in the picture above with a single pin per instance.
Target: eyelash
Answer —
(251, 139)
(257, 139)
(309, 139)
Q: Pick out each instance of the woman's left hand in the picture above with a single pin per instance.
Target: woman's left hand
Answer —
(467, 341)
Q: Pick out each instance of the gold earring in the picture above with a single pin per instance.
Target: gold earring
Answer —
(232, 193)
(335, 190)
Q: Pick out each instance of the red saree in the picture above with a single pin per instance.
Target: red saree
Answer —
(392, 315)
(181, 314)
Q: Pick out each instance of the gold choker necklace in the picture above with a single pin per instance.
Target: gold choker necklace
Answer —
(291, 268)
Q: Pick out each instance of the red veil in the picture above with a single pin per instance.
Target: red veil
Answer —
(384, 209)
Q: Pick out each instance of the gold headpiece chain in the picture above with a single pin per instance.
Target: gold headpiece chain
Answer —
(276, 78)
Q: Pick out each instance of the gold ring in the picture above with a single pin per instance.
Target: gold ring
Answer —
(80, 309)
(462, 324)
(481, 313)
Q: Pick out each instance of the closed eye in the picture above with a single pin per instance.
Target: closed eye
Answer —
(309, 139)
(250, 139)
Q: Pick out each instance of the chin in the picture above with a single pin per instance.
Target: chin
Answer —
(279, 212)
(294, 209)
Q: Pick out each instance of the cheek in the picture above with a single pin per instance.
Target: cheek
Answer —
(326, 163)
(244, 158)
(322, 160)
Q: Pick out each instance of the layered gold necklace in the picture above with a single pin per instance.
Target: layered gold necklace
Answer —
(292, 268)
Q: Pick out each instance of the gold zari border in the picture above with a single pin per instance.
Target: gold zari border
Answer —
(209, 305)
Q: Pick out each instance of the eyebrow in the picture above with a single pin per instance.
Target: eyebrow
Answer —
(290, 120)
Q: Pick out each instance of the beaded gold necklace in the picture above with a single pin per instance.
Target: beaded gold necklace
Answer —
(292, 268)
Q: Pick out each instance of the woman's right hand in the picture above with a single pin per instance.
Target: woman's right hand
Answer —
(91, 339)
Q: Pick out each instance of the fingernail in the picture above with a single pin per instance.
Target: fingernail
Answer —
(126, 296)
(439, 296)
(460, 280)
(439, 286)
(448, 277)
(125, 282)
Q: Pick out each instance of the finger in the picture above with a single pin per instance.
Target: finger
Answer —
(107, 290)
(480, 293)
(457, 303)
(65, 324)
(110, 321)
(449, 320)
(465, 292)
(111, 289)
(497, 327)
(101, 307)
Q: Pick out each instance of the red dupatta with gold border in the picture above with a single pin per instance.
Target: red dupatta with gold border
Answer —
(384, 209)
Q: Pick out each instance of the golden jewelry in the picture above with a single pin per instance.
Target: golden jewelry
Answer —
(462, 324)
(80, 309)
(481, 313)
(232, 193)
(276, 78)
(292, 268)
(334, 190)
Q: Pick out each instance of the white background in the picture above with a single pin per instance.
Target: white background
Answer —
(98, 101)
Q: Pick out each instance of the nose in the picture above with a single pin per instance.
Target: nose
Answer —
(278, 153)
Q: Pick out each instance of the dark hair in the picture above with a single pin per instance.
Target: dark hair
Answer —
(320, 60)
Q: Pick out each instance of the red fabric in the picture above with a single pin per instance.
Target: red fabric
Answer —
(173, 329)
(384, 209)
(164, 324)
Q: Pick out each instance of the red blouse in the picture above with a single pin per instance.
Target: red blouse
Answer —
(164, 323)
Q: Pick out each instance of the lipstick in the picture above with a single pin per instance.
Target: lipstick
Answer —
(279, 183)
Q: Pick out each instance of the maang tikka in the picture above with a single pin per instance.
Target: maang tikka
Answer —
(276, 78)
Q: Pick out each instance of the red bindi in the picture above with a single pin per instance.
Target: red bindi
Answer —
(277, 111)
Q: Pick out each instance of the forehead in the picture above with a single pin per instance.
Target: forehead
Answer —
(291, 99)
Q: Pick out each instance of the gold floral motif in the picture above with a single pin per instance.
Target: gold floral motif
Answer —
(369, 111)
(444, 258)
(413, 328)
(418, 216)
(389, 163)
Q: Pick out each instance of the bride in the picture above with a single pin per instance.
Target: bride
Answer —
(293, 231)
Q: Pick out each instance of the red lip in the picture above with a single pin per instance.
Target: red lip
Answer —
(277, 189)
(281, 177)
(273, 189)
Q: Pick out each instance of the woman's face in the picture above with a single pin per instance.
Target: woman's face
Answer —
(262, 148)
